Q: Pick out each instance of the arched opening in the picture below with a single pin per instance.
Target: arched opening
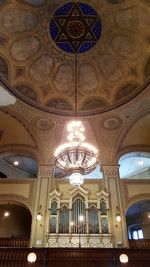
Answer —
(135, 165)
(18, 166)
(15, 222)
(138, 222)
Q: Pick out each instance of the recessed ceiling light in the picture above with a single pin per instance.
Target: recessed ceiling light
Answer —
(16, 162)
(6, 214)
(140, 162)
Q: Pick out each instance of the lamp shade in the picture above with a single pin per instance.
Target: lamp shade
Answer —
(123, 258)
(76, 179)
(31, 257)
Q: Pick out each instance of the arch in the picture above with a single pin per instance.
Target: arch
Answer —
(26, 91)
(135, 164)
(119, 150)
(137, 198)
(24, 150)
(27, 166)
(15, 220)
(59, 103)
(20, 124)
(133, 148)
(137, 219)
(28, 128)
(16, 199)
(94, 103)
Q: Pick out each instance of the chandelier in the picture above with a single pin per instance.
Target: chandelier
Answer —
(76, 157)
(76, 28)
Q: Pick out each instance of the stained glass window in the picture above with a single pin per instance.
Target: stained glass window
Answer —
(75, 27)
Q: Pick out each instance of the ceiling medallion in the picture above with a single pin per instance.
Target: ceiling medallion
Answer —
(75, 27)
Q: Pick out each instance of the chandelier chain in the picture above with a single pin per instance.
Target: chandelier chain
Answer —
(76, 85)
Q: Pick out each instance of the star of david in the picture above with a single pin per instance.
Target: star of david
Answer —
(75, 28)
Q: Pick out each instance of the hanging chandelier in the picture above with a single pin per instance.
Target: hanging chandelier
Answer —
(76, 157)
(76, 28)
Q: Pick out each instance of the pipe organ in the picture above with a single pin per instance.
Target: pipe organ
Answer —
(78, 221)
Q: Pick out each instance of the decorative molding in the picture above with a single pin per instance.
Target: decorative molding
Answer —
(18, 198)
(54, 194)
(79, 190)
(137, 198)
(110, 171)
(45, 171)
(102, 194)
(20, 149)
(112, 123)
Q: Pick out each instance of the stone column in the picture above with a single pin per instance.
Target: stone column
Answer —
(112, 186)
(43, 187)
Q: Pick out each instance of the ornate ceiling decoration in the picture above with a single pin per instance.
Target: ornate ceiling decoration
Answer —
(75, 27)
(36, 70)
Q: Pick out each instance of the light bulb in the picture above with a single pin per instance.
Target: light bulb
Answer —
(140, 162)
(123, 258)
(31, 257)
(76, 179)
(39, 217)
(118, 218)
(6, 214)
(16, 162)
(81, 218)
(71, 223)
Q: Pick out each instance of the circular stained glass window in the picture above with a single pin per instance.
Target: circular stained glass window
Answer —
(75, 27)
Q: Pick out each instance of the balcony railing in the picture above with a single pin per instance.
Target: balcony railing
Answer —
(143, 243)
(14, 242)
(73, 257)
(79, 240)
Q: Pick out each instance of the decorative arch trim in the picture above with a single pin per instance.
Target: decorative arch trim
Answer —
(19, 149)
(137, 198)
(16, 198)
(133, 148)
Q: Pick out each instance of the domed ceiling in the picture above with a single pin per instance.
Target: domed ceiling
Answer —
(37, 71)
